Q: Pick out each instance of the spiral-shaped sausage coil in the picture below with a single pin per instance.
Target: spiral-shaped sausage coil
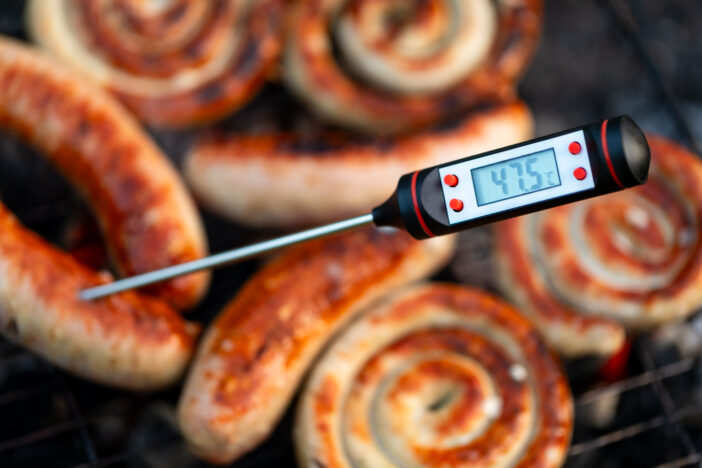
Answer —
(436, 375)
(253, 357)
(384, 66)
(585, 272)
(174, 62)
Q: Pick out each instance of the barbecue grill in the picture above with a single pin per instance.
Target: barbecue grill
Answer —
(645, 410)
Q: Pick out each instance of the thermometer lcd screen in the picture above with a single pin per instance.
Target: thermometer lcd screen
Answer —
(515, 177)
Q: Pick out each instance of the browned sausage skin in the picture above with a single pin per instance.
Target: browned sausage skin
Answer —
(254, 355)
(128, 340)
(588, 271)
(286, 180)
(173, 64)
(436, 375)
(385, 67)
(148, 219)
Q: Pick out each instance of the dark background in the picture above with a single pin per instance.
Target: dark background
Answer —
(598, 59)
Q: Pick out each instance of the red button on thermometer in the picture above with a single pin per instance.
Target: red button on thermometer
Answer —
(539, 174)
(456, 204)
(451, 180)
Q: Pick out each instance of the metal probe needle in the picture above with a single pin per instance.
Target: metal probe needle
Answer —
(223, 258)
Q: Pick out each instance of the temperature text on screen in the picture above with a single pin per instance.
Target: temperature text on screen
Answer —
(515, 177)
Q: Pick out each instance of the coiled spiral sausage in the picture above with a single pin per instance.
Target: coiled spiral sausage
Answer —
(173, 63)
(148, 218)
(385, 66)
(128, 340)
(436, 375)
(285, 180)
(254, 355)
(633, 259)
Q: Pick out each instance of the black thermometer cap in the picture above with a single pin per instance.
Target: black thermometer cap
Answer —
(627, 148)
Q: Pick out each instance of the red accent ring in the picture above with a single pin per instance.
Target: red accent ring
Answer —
(607, 157)
(416, 206)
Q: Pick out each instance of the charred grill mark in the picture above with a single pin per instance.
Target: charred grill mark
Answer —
(176, 13)
(248, 59)
(348, 149)
(11, 327)
(316, 146)
(194, 51)
(441, 401)
(261, 351)
(210, 93)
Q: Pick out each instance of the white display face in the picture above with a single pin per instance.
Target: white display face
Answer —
(515, 177)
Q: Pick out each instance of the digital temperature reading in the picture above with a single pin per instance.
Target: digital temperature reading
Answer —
(515, 177)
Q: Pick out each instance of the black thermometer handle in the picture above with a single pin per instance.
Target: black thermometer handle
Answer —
(617, 154)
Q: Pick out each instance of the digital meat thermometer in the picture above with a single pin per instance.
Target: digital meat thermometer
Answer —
(581, 163)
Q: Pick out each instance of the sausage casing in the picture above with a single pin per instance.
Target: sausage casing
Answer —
(257, 350)
(147, 217)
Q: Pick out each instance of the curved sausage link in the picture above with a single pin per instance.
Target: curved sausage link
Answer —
(585, 272)
(389, 66)
(128, 340)
(285, 180)
(173, 63)
(148, 219)
(436, 375)
(254, 355)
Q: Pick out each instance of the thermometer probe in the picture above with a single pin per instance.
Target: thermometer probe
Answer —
(584, 162)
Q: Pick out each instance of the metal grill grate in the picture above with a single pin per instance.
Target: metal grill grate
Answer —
(48, 418)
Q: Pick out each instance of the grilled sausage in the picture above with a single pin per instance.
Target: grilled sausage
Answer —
(173, 63)
(385, 67)
(283, 180)
(147, 217)
(128, 340)
(254, 355)
(436, 375)
(585, 272)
